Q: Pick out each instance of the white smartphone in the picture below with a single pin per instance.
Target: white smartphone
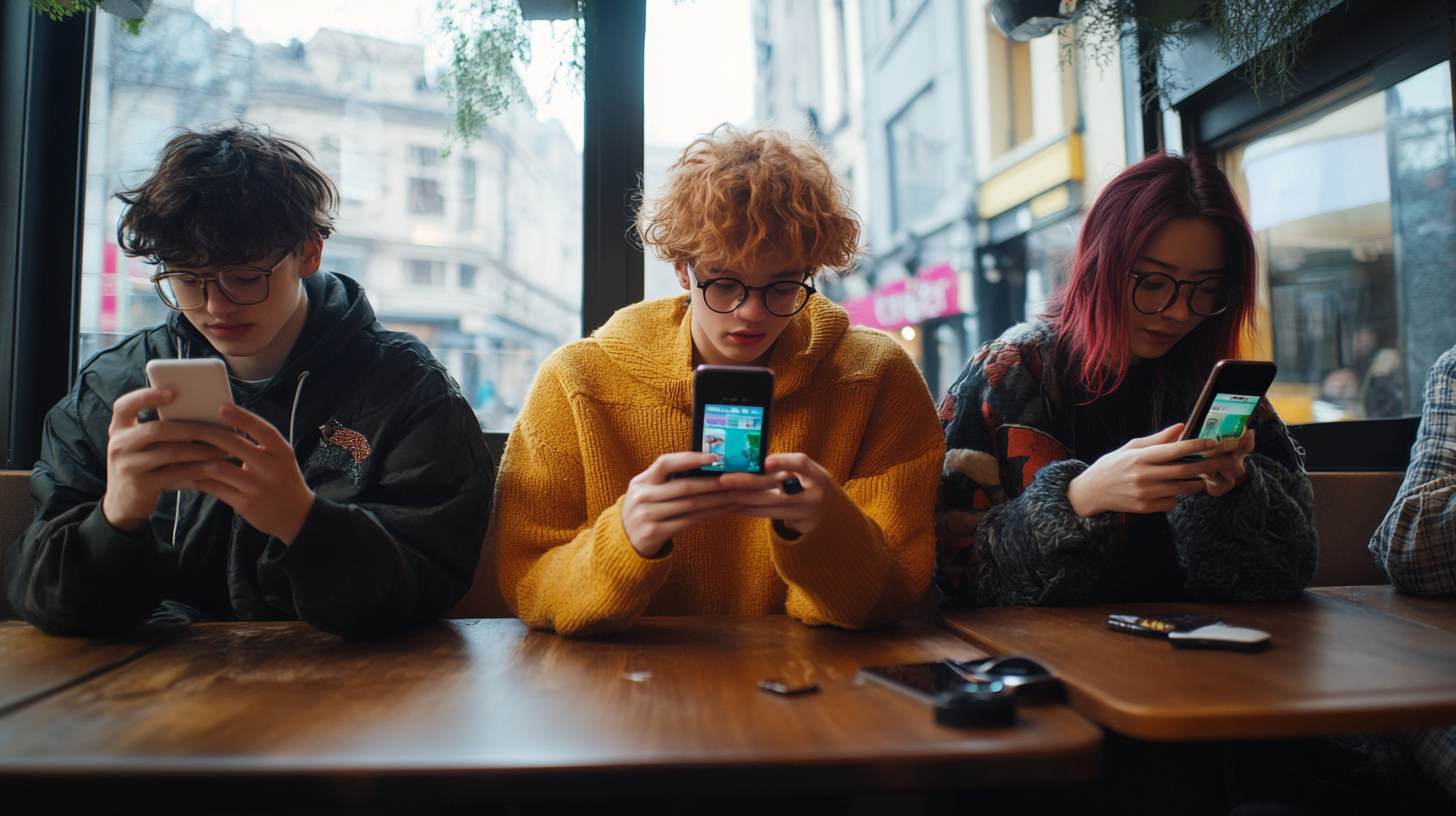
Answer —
(201, 387)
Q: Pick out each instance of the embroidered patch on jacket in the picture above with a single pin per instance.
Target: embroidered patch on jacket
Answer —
(341, 449)
(1027, 451)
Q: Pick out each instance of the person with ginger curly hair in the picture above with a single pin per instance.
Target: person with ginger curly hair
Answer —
(594, 532)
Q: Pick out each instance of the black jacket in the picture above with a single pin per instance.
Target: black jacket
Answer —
(391, 449)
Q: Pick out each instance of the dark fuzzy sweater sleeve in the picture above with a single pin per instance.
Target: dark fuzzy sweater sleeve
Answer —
(1007, 535)
(1257, 542)
(1036, 551)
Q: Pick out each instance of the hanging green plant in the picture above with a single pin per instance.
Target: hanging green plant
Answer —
(131, 13)
(1265, 38)
(490, 42)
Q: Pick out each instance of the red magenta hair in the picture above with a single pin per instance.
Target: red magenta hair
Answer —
(1089, 309)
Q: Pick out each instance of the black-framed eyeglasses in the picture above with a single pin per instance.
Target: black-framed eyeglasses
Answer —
(1153, 292)
(781, 299)
(243, 285)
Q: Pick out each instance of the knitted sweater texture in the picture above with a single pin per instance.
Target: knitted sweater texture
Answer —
(603, 409)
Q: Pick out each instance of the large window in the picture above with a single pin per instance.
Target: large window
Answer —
(1353, 212)
(700, 69)
(479, 253)
(917, 160)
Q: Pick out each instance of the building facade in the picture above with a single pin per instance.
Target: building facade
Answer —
(477, 253)
(966, 153)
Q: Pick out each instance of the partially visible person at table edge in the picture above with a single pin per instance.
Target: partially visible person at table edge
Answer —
(1062, 483)
(594, 533)
(1416, 544)
(356, 495)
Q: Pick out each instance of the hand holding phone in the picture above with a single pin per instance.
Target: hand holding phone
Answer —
(1143, 476)
(658, 506)
(1222, 413)
(143, 459)
(1226, 472)
(791, 491)
(1228, 400)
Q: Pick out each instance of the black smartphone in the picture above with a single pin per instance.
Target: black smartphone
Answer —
(923, 681)
(1228, 399)
(731, 417)
(1160, 626)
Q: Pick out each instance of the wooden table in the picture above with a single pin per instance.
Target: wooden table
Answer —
(33, 664)
(487, 710)
(1437, 612)
(1334, 667)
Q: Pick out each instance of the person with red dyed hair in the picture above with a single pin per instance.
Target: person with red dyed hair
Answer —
(594, 532)
(1062, 483)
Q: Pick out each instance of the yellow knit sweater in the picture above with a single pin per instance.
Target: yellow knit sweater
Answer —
(603, 409)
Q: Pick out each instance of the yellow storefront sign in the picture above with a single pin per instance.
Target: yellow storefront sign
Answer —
(1034, 176)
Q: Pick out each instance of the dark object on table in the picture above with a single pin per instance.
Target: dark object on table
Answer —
(1158, 626)
(1025, 677)
(976, 705)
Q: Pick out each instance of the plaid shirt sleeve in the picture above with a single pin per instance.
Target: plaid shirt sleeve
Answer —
(1417, 541)
(1435, 753)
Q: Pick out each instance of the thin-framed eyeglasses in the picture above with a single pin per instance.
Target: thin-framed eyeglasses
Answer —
(243, 285)
(1153, 292)
(781, 299)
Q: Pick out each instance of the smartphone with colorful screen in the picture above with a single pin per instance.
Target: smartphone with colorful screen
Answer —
(731, 413)
(1227, 401)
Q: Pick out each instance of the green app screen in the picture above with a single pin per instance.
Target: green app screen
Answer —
(1228, 416)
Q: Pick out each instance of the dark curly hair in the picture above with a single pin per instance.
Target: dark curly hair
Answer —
(227, 195)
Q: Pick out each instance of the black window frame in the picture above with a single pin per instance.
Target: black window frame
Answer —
(45, 71)
(1360, 42)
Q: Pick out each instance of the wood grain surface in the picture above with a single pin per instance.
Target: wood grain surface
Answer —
(1437, 612)
(478, 709)
(1333, 667)
(34, 664)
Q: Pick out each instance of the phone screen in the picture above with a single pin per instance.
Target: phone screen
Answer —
(1228, 416)
(734, 435)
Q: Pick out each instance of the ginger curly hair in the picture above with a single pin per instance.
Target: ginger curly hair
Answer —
(734, 195)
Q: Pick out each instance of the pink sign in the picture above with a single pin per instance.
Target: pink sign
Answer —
(108, 287)
(931, 293)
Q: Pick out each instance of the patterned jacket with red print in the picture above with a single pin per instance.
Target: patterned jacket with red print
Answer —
(1006, 532)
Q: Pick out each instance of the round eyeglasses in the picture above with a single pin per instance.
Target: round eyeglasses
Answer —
(243, 285)
(781, 299)
(1153, 292)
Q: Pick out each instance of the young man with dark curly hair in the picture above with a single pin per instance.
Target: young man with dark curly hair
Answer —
(594, 532)
(354, 494)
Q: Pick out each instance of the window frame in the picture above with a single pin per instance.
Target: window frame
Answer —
(45, 78)
(45, 72)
